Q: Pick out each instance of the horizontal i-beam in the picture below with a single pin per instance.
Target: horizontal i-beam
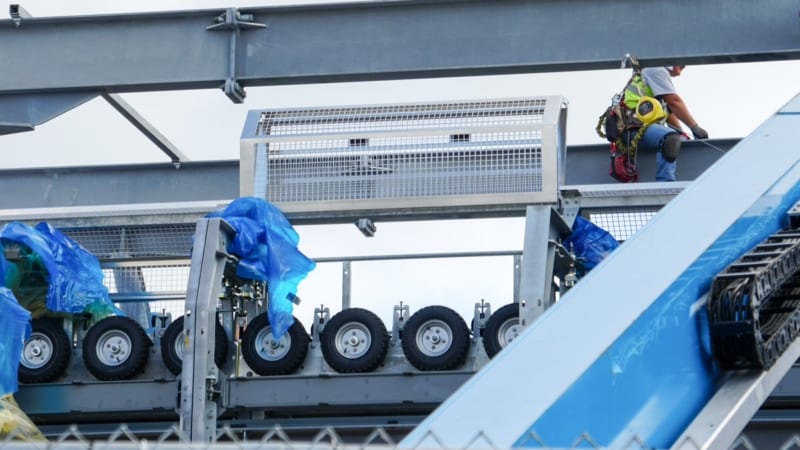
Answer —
(381, 40)
(195, 181)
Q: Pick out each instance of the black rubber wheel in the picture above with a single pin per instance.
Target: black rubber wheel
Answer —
(172, 346)
(435, 338)
(354, 340)
(45, 354)
(116, 348)
(501, 328)
(268, 356)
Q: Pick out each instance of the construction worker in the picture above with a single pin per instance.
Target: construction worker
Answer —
(653, 103)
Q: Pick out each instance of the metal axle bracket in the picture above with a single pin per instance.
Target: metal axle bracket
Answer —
(235, 21)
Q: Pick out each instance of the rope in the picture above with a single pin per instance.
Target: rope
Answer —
(633, 147)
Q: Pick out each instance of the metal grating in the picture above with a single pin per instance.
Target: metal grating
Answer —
(481, 153)
(404, 167)
(142, 278)
(142, 263)
(401, 117)
(622, 223)
(151, 241)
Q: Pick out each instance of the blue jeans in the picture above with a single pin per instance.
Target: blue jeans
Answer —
(653, 138)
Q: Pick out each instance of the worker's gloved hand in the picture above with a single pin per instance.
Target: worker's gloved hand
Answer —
(699, 133)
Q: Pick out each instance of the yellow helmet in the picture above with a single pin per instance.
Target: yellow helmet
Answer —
(649, 110)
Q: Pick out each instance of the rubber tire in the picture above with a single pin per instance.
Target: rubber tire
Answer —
(137, 358)
(453, 356)
(376, 351)
(289, 363)
(174, 331)
(61, 352)
(492, 342)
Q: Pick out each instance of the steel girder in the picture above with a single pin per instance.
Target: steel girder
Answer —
(401, 39)
(70, 196)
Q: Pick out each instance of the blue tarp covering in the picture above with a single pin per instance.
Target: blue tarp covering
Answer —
(589, 242)
(14, 329)
(74, 277)
(266, 244)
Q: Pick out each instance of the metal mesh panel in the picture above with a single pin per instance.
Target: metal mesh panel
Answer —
(404, 117)
(155, 279)
(402, 167)
(135, 241)
(622, 223)
(491, 152)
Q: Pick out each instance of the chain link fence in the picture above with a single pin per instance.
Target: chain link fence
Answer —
(327, 438)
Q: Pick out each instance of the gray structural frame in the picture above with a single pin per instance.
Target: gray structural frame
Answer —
(147, 193)
(498, 35)
(377, 41)
(200, 398)
(231, 49)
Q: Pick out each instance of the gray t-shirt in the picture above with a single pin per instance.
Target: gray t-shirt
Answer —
(659, 80)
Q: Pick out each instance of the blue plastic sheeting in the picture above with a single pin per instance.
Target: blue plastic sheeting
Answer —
(589, 242)
(15, 327)
(653, 381)
(75, 277)
(266, 244)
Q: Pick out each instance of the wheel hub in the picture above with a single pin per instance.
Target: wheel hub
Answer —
(114, 347)
(353, 340)
(434, 338)
(271, 349)
(508, 331)
(36, 351)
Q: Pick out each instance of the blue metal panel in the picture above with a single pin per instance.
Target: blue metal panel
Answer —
(657, 376)
(540, 368)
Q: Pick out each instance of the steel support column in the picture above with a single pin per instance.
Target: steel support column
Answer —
(200, 393)
(543, 226)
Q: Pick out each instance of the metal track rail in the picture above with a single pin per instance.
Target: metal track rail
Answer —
(741, 394)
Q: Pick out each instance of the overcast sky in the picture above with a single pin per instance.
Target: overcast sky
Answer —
(728, 100)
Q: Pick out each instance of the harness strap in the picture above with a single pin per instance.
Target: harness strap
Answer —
(633, 147)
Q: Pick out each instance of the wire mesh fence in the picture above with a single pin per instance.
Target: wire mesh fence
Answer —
(622, 223)
(327, 438)
(129, 242)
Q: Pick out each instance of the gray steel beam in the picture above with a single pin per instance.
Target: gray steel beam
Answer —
(218, 180)
(115, 185)
(589, 164)
(24, 112)
(99, 398)
(375, 389)
(399, 39)
(143, 125)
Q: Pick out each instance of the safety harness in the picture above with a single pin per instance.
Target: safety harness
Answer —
(630, 109)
